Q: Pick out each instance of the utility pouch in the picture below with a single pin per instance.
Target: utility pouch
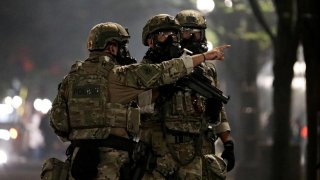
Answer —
(55, 169)
(133, 118)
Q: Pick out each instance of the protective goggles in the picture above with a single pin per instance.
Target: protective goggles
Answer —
(162, 35)
(189, 32)
(166, 34)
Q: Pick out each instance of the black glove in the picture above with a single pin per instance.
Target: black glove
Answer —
(228, 154)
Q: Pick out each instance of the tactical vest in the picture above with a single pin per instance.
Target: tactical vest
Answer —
(90, 115)
(181, 109)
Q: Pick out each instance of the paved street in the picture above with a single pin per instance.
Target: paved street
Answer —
(21, 171)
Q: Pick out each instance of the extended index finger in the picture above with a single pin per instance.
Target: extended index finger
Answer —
(225, 46)
(221, 48)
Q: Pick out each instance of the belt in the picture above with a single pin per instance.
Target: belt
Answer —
(116, 142)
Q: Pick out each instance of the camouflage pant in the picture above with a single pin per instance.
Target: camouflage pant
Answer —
(168, 168)
(214, 168)
(168, 152)
(110, 164)
(180, 161)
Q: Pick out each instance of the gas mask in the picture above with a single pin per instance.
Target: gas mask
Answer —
(194, 40)
(123, 55)
(165, 50)
(196, 47)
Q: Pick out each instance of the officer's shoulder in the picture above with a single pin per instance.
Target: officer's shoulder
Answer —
(75, 66)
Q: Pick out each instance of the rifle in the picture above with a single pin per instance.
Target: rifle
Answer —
(202, 85)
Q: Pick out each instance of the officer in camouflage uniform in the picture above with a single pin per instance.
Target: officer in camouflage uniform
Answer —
(194, 39)
(95, 108)
(175, 124)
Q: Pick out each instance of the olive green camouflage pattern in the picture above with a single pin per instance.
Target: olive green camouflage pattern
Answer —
(167, 166)
(159, 22)
(214, 168)
(184, 111)
(144, 76)
(86, 108)
(191, 19)
(179, 115)
(55, 169)
(102, 33)
(88, 97)
(59, 119)
(85, 90)
(87, 101)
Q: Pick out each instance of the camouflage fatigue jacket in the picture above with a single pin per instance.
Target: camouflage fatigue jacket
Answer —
(179, 112)
(93, 97)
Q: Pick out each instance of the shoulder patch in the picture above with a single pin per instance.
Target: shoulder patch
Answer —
(147, 74)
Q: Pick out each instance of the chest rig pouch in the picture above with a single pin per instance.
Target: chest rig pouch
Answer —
(187, 111)
(182, 112)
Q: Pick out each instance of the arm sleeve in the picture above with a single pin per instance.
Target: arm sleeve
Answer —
(145, 76)
(224, 125)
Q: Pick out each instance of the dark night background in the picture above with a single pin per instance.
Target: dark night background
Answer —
(41, 39)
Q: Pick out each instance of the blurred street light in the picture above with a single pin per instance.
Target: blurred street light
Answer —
(15, 102)
(4, 134)
(228, 3)
(42, 105)
(205, 6)
(3, 157)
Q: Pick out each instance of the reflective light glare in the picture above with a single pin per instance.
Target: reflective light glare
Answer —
(4, 134)
(3, 157)
(42, 105)
(205, 6)
(210, 46)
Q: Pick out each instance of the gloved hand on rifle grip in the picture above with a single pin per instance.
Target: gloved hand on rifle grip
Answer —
(228, 154)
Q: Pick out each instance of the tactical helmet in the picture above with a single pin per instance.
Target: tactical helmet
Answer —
(102, 33)
(191, 19)
(159, 22)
